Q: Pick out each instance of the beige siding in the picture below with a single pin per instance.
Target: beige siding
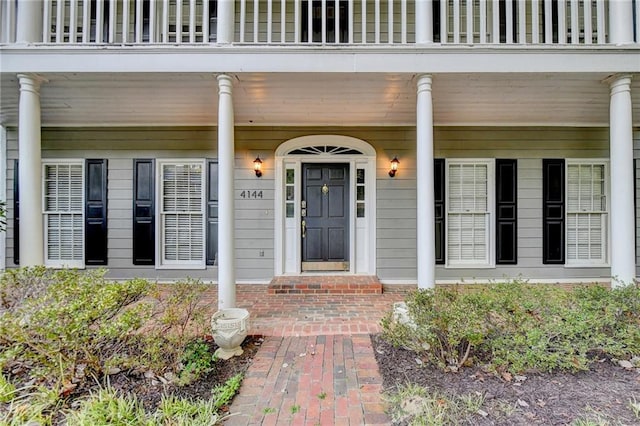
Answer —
(396, 201)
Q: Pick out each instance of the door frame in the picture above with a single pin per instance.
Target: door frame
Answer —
(362, 232)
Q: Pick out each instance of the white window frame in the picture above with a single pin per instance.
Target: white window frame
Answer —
(605, 237)
(490, 212)
(79, 264)
(161, 263)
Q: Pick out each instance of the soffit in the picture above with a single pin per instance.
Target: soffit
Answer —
(315, 99)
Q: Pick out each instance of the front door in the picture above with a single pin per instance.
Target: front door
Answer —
(325, 217)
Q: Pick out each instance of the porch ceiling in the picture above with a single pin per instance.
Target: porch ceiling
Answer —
(318, 99)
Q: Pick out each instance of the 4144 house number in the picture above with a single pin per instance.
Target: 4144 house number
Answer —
(251, 194)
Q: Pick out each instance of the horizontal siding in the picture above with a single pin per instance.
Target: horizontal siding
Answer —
(396, 198)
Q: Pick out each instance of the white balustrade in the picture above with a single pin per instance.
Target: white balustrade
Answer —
(469, 22)
(121, 21)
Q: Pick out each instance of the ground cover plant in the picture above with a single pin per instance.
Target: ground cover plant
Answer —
(514, 353)
(76, 348)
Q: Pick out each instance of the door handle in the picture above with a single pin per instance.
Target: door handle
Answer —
(304, 229)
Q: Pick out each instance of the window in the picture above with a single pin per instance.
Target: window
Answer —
(468, 213)
(182, 218)
(586, 213)
(331, 18)
(64, 213)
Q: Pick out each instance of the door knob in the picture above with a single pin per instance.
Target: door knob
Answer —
(304, 229)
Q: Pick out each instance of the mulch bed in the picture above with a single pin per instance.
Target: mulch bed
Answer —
(602, 395)
(150, 391)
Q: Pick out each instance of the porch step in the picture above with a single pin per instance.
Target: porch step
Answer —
(325, 284)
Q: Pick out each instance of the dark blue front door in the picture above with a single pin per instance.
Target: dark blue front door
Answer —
(325, 211)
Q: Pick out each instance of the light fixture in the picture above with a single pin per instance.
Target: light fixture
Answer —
(257, 166)
(394, 167)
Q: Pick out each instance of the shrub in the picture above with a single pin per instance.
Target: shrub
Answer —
(517, 326)
(63, 323)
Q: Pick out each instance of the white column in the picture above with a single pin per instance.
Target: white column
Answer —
(29, 22)
(620, 22)
(424, 21)
(226, 210)
(226, 20)
(426, 234)
(30, 176)
(623, 262)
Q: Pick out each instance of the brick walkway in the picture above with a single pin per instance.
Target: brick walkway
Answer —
(316, 365)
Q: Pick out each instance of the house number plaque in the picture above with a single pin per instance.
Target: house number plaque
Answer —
(248, 194)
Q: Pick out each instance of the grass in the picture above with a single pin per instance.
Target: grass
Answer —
(415, 405)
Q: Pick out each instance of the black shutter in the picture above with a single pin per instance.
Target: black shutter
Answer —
(212, 212)
(143, 212)
(95, 225)
(553, 211)
(506, 212)
(16, 214)
(439, 194)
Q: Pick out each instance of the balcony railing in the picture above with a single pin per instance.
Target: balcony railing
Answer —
(328, 22)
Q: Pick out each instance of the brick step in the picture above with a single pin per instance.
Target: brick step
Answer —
(325, 284)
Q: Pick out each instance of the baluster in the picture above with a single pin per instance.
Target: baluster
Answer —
(403, 20)
(309, 22)
(588, 25)
(336, 17)
(192, 21)
(46, 21)
(283, 22)
(125, 21)
(112, 21)
(269, 20)
(495, 6)
(205, 21)
(139, 19)
(390, 21)
(73, 20)
(99, 20)
(164, 32)
(600, 21)
(243, 19)
(364, 21)
(509, 21)
(444, 35)
(535, 22)
(470, 21)
(548, 22)
(86, 24)
(297, 21)
(562, 22)
(456, 21)
(575, 23)
(178, 22)
(59, 21)
(377, 22)
(522, 21)
(351, 12)
(256, 19)
(324, 20)
(483, 21)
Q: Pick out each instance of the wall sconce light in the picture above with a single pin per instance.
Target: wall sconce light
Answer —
(257, 166)
(394, 167)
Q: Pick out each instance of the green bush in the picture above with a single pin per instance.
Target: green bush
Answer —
(64, 323)
(517, 326)
(65, 330)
